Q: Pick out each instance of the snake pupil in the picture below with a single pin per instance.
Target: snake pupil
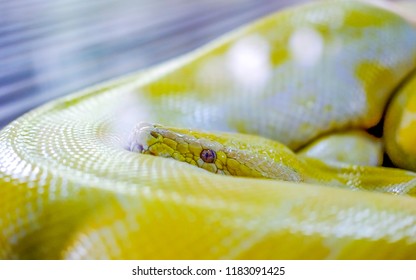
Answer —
(208, 156)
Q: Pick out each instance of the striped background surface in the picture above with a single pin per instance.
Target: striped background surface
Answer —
(52, 48)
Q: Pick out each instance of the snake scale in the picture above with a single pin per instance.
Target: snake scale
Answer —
(70, 189)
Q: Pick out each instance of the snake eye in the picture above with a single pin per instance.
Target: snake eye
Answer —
(208, 156)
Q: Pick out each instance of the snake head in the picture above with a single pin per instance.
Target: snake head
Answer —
(219, 152)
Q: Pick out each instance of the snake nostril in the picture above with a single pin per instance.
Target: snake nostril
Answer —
(208, 155)
(140, 147)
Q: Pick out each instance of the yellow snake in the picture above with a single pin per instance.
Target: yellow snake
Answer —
(71, 188)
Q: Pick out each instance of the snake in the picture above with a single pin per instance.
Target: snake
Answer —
(79, 179)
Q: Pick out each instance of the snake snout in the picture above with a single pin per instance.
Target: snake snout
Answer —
(138, 138)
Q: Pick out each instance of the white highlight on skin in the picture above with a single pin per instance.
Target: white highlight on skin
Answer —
(249, 61)
(306, 46)
(407, 119)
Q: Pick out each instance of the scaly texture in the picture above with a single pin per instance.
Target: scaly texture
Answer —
(70, 189)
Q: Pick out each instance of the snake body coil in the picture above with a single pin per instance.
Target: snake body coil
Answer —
(70, 189)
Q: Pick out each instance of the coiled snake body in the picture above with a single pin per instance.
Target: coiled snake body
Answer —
(71, 189)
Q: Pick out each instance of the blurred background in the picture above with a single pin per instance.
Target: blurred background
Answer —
(52, 48)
